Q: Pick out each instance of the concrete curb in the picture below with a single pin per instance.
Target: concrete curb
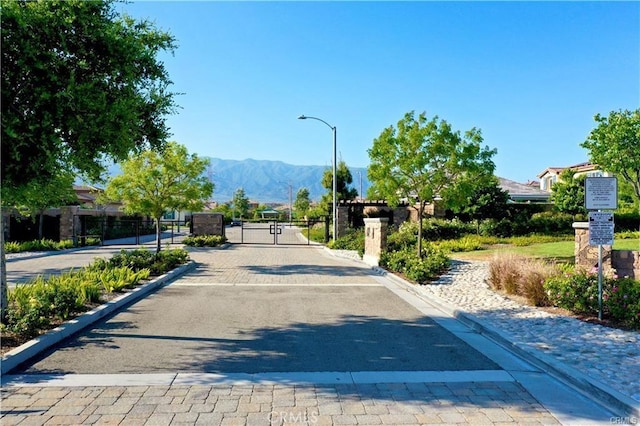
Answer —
(604, 394)
(23, 353)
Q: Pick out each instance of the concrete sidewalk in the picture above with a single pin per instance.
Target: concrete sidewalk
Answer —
(516, 392)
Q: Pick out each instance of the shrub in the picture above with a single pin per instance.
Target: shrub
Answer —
(577, 291)
(519, 275)
(502, 228)
(440, 229)
(622, 301)
(205, 241)
(37, 245)
(551, 223)
(629, 221)
(466, 243)
(353, 240)
(407, 262)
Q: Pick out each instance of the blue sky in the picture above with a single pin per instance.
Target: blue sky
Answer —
(530, 75)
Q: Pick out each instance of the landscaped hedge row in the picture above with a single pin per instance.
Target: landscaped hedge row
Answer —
(205, 241)
(567, 287)
(419, 269)
(36, 306)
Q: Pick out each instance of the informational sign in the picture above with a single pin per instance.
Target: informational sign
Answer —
(601, 193)
(601, 228)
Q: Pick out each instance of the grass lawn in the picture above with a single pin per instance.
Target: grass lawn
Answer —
(561, 251)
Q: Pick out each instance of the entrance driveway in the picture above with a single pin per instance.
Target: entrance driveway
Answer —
(271, 334)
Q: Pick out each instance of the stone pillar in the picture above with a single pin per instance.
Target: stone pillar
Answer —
(343, 220)
(208, 224)
(587, 255)
(375, 239)
(69, 223)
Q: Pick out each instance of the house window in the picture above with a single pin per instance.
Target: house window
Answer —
(169, 215)
(595, 174)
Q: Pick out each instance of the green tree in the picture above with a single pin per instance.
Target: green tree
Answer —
(488, 201)
(80, 84)
(302, 202)
(153, 182)
(567, 194)
(240, 203)
(614, 145)
(423, 159)
(343, 191)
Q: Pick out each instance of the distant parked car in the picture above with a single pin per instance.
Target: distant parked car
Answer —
(236, 222)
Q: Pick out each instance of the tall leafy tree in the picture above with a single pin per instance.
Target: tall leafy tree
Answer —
(343, 190)
(154, 182)
(422, 159)
(614, 144)
(487, 201)
(302, 202)
(567, 194)
(240, 203)
(80, 84)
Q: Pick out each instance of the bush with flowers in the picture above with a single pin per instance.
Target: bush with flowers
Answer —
(577, 291)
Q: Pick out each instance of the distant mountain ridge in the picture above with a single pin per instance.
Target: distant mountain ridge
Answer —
(267, 181)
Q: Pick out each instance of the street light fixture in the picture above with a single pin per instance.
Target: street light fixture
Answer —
(335, 181)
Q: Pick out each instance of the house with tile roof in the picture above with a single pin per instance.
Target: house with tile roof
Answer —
(551, 175)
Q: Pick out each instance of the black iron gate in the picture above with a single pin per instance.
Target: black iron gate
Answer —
(295, 232)
(108, 230)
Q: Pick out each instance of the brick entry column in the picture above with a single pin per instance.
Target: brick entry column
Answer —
(375, 239)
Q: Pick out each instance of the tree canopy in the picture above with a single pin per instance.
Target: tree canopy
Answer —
(154, 182)
(79, 84)
(614, 144)
(424, 159)
(568, 193)
(302, 202)
(343, 190)
(240, 203)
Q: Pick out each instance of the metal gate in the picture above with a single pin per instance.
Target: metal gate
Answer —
(118, 231)
(296, 232)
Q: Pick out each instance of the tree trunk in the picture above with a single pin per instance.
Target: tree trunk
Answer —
(158, 235)
(420, 213)
(40, 225)
(4, 288)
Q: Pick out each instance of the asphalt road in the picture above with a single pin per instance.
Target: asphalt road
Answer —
(266, 309)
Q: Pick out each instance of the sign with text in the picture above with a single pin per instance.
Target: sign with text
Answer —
(601, 193)
(601, 228)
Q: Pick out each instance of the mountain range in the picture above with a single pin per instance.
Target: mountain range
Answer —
(266, 181)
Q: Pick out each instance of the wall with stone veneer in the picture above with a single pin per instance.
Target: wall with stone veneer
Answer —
(626, 263)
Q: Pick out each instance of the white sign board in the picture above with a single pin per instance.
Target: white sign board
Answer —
(601, 193)
(601, 228)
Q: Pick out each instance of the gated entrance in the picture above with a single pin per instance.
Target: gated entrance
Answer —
(109, 230)
(295, 232)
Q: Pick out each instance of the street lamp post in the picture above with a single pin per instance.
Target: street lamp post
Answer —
(335, 181)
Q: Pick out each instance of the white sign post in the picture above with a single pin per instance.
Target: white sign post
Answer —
(600, 193)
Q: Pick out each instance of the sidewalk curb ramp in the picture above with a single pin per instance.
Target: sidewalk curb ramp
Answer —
(25, 352)
(592, 388)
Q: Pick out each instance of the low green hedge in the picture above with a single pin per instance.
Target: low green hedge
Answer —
(36, 306)
(205, 241)
(419, 269)
(577, 291)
